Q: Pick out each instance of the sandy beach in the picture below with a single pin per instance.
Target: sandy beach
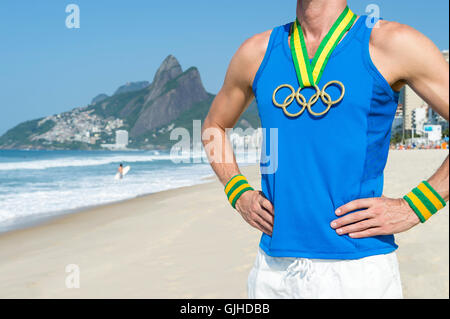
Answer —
(189, 243)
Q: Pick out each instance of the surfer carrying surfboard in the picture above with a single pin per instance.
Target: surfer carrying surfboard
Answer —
(120, 171)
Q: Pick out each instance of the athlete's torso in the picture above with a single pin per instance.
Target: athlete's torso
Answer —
(324, 161)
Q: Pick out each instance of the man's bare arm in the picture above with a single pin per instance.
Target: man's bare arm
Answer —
(427, 73)
(231, 101)
(418, 63)
(404, 56)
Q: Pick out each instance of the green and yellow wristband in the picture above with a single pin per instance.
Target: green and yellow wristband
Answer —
(425, 201)
(235, 187)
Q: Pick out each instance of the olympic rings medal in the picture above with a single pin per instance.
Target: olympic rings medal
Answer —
(290, 96)
(340, 97)
(325, 97)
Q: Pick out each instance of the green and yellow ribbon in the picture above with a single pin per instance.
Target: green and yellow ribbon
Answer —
(424, 201)
(309, 74)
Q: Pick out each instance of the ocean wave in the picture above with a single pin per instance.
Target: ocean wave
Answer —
(90, 161)
(30, 201)
(6, 215)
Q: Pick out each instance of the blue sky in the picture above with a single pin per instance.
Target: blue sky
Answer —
(46, 68)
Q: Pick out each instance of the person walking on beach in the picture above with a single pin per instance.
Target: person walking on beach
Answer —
(327, 230)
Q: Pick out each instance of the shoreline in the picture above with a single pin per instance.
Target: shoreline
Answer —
(189, 243)
(58, 216)
(43, 218)
(48, 218)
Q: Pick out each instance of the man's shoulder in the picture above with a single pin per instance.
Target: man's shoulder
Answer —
(393, 36)
(254, 48)
(399, 51)
(248, 58)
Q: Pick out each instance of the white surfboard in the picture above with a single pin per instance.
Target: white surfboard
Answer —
(125, 172)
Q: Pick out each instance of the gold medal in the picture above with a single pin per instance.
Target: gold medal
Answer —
(309, 74)
(301, 100)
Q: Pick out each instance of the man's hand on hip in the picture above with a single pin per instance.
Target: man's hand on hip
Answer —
(375, 216)
(256, 210)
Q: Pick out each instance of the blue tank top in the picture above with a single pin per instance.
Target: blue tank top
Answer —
(324, 162)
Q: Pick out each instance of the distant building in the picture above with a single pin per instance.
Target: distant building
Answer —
(121, 141)
(419, 117)
(121, 138)
(433, 132)
(412, 101)
(435, 118)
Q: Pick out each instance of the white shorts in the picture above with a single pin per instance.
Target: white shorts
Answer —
(372, 277)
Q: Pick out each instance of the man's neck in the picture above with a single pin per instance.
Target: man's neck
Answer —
(317, 16)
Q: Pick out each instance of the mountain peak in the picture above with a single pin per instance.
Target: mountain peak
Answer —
(170, 68)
